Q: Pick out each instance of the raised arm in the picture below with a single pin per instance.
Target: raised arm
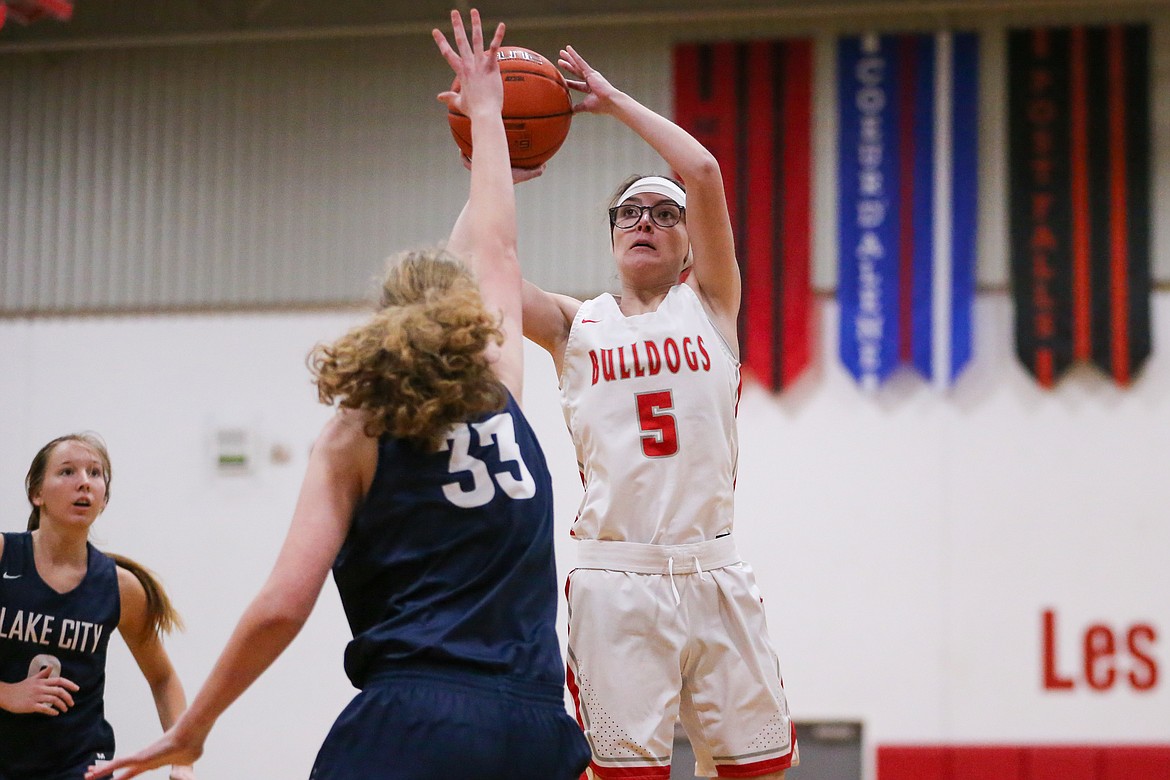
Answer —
(340, 469)
(715, 273)
(547, 316)
(485, 235)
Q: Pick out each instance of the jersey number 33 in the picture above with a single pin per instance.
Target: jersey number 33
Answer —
(499, 429)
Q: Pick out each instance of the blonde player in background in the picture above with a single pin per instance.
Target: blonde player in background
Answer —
(60, 600)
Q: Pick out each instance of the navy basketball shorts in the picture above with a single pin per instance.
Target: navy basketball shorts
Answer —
(432, 724)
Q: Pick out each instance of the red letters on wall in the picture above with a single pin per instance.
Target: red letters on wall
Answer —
(1109, 658)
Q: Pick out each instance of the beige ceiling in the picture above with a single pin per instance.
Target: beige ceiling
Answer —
(136, 20)
(151, 18)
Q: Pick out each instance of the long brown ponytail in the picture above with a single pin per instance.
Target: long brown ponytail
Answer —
(161, 615)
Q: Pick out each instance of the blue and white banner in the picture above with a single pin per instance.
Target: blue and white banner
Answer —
(907, 167)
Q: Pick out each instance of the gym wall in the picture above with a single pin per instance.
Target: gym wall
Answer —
(180, 224)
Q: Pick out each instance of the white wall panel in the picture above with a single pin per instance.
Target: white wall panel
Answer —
(265, 174)
(906, 543)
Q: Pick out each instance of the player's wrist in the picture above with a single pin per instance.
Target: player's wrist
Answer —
(486, 113)
(190, 730)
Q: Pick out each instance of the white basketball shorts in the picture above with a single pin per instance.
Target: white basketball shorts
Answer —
(688, 642)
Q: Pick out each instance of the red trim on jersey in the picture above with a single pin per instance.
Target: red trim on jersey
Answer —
(575, 692)
(630, 772)
(570, 680)
(757, 768)
(735, 413)
(581, 473)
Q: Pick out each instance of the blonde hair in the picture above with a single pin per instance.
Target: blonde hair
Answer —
(419, 364)
(161, 615)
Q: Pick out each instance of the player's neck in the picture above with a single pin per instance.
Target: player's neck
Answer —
(54, 547)
(641, 300)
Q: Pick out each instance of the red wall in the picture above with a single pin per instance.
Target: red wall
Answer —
(1023, 762)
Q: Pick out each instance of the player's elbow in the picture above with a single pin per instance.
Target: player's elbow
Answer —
(503, 263)
(160, 679)
(704, 171)
(280, 611)
(504, 255)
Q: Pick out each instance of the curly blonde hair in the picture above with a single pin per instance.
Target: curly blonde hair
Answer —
(419, 364)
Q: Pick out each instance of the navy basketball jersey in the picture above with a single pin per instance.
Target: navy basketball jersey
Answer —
(38, 625)
(449, 560)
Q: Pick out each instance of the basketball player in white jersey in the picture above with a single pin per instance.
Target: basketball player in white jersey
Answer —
(665, 619)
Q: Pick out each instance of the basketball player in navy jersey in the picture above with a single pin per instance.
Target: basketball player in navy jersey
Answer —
(60, 600)
(430, 498)
(665, 619)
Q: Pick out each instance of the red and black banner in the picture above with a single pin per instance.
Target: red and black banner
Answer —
(1079, 125)
(29, 11)
(751, 105)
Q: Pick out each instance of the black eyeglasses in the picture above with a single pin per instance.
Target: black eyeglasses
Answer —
(665, 214)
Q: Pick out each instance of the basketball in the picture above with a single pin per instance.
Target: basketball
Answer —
(537, 108)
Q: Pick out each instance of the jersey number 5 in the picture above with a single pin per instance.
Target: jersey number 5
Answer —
(659, 431)
(502, 430)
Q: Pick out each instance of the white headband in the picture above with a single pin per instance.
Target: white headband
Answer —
(659, 186)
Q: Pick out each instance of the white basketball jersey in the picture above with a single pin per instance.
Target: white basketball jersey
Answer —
(650, 401)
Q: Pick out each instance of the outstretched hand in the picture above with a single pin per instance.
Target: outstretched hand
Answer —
(476, 68)
(168, 750)
(599, 93)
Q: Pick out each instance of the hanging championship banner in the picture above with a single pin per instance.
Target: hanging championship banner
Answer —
(750, 104)
(907, 178)
(1078, 118)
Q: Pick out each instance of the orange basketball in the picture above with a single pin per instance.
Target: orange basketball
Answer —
(537, 108)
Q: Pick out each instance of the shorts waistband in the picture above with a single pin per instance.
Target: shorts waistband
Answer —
(657, 558)
(501, 684)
